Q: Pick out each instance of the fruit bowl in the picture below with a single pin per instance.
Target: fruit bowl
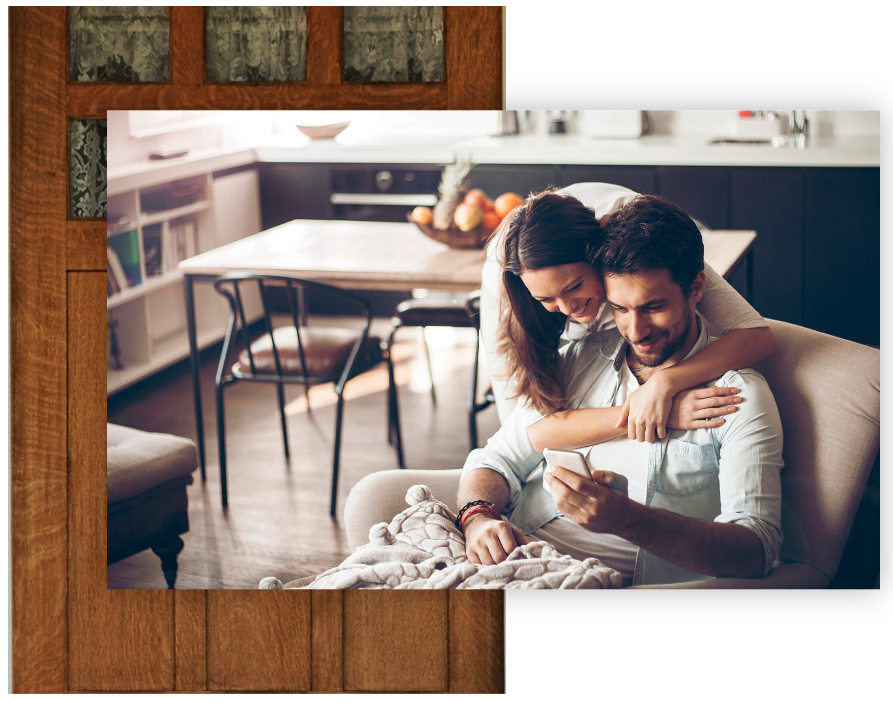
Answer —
(323, 131)
(454, 236)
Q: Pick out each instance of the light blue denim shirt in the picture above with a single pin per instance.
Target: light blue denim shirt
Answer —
(729, 474)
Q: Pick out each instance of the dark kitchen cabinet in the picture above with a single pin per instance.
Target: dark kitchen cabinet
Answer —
(640, 179)
(293, 191)
(705, 194)
(770, 200)
(498, 179)
(702, 192)
(842, 271)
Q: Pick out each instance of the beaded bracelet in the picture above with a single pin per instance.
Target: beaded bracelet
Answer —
(479, 510)
(479, 502)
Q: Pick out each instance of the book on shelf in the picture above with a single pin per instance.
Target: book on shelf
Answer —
(117, 278)
(178, 243)
(125, 246)
(152, 249)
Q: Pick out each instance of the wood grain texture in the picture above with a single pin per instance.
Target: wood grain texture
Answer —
(84, 243)
(259, 640)
(327, 642)
(39, 471)
(69, 631)
(119, 640)
(190, 669)
(395, 640)
(187, 45)
(477, 642)
(325, 45)
(87, 100)
(474, 63)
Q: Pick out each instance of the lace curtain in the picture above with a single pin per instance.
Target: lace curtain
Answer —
(87, 164)
(256, 44)
(120, 44)
(393, 44)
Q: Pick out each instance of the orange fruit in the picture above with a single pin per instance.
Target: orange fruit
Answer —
(506, 202)
(491, 219)
(422, 215)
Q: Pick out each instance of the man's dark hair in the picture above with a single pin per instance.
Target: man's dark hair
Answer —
(649, 233)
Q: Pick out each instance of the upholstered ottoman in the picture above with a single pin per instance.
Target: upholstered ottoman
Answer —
(147, 477)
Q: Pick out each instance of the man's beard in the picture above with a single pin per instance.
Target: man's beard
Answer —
(675, 341)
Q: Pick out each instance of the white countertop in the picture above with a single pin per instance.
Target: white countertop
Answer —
(513, 150)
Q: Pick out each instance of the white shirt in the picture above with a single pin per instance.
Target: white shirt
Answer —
(729, 474)
(620, 455)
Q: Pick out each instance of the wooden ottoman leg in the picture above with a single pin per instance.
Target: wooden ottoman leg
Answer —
(168, 550)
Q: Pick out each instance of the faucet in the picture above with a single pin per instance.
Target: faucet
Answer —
(799, 126)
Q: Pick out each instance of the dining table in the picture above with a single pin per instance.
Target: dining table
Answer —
(387, 256)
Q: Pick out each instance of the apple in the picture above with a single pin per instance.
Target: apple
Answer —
(468, 216)
(478, 198)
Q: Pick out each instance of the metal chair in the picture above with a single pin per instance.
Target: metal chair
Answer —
(443, 309)
(298, 353)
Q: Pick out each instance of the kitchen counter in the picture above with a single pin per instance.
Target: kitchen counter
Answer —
(511, 150)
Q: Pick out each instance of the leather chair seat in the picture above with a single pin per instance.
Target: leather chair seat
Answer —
(326, 351)
(434, 310)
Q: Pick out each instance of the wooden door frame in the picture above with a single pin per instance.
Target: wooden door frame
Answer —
(70, 633)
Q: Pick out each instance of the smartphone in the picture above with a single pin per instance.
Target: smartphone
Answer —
(574, 461)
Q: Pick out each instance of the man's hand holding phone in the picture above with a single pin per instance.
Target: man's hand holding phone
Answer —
(591, 503)
(488, 541)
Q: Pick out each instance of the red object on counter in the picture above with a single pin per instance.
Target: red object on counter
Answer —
(745, 113)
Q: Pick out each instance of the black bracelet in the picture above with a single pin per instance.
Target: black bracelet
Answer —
(479, 502)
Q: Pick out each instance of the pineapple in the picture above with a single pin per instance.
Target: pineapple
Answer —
(452, 182)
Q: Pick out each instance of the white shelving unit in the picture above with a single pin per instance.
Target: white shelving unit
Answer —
(151, 316)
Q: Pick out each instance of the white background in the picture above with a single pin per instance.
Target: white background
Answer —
(663, 56)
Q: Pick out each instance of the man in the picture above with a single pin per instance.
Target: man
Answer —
(701, 503)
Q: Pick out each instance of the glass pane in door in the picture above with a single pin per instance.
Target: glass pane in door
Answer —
(87, 168)
(256, 44)
(119, 44)
(393, 44)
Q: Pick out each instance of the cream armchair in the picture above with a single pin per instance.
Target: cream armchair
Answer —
(828, 394)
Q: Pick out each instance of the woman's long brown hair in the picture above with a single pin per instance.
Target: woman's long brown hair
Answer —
(549, 229)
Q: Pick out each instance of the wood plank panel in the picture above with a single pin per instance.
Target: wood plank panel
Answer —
(474, 58)
(396, 640)
(259, 640)
(190, 611)
(84, 242)
(39, 471)
(325, 45)
(477, 642)
(119, 640)
(327, 643)
(86, 101)
(187, 45)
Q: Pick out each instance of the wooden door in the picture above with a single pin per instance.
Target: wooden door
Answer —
(70, 633)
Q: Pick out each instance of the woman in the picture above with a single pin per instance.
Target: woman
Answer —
(554, 234)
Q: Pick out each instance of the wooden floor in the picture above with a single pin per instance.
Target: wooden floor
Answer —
(278, 521)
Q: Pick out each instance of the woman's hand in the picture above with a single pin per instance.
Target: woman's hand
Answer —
(646, 410)
(702, 407)
(652, 408)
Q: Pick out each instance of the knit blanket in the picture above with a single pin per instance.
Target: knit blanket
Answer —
(421, 548)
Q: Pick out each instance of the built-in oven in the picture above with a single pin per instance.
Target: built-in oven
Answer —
(381, 193)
